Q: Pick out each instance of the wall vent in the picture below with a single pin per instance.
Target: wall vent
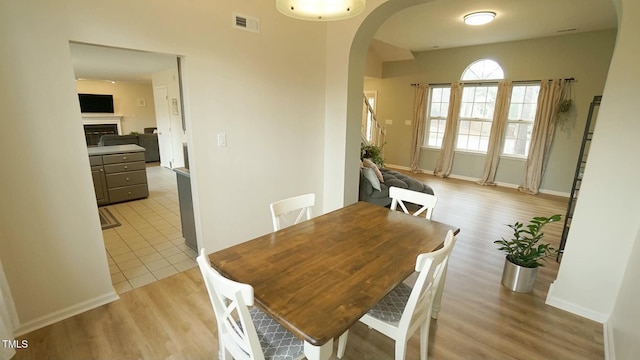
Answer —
(246, 23)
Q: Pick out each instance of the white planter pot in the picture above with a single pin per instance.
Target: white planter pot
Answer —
(518, 278)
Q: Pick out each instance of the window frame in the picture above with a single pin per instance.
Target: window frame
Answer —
(471, 70)
(520, 122)
(428, 118)
(471, 120)
(467, 82)
(470, 83)
(368, 120)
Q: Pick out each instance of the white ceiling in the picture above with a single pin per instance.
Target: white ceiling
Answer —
(439, 24)
(434, 25)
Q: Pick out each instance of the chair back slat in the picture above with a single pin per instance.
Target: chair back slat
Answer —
(399, 196)
(402, 311)
(297, 208)
(230, 301)
(430, 266)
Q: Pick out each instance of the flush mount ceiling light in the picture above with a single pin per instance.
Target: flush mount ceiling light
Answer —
(320, 10)
(479, 18)
(84, 79)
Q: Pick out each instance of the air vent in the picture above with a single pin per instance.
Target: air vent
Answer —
(242, 22)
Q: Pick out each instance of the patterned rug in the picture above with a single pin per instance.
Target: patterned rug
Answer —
(107, 220)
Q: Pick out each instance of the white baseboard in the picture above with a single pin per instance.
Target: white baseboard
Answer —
(573, 308)
(472, 179)
(400, 167)
(68, 312)
(462, 177)
(507, 185)
(554, 192)
(607, 329)
(577, 310)
(609, 349)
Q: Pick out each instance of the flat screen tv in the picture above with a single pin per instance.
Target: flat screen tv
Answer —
(96, 103)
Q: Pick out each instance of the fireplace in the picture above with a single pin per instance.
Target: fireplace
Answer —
(96, 125)
(93, 132)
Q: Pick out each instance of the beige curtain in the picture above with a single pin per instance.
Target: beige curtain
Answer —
(419, 112)
(498, 127)
(542, 136)
(445, 160)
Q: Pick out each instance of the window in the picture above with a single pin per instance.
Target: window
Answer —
(438, 108)
(522, 113)
(478, 103)
(479, 96)
(476, 111)
(476, 116)
(371, 97)
(484, 69)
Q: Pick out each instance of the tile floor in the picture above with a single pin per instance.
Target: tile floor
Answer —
(148, 246)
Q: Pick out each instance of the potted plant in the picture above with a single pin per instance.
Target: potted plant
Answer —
(373, 153)
(525, 253)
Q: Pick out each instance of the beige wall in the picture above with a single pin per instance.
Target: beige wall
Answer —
(265, 91)
(373, 65)
(125, 101)
(347, 45)
(599, 273)
(623, 323)
(584, 56)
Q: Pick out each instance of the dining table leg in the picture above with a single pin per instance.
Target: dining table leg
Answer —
(322, 352)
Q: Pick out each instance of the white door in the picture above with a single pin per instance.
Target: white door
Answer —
(177, 134)
(163, 122)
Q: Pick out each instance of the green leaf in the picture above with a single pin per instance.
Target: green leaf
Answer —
(523, 248)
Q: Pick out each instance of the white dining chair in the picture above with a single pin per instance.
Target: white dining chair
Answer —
(401, 312)
(243, 333)
(399, 196)
(297, 208)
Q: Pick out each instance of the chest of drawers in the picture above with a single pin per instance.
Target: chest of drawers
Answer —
(119, 173)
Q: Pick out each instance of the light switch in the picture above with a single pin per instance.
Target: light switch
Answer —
(388, 122)
(407, 122)
(222, 140)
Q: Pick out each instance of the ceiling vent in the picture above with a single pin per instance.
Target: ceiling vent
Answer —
(242, 22)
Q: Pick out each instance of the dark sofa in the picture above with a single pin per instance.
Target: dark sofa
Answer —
(148, 141)
(391, 178)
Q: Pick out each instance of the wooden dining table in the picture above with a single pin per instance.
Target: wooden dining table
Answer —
(318, 277)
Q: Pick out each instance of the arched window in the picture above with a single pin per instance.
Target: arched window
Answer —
(478, 103)
(477, 106)
(483, 69)
(476, 112)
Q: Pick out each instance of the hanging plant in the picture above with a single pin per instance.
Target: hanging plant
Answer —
(565, 104)
(565, 100)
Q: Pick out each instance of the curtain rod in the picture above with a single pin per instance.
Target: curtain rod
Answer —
(492, 82)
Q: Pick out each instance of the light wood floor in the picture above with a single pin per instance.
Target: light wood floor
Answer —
(172, 318)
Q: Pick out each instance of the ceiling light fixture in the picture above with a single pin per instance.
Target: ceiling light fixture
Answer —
(105, 80)
(479, 18)
(320, 10)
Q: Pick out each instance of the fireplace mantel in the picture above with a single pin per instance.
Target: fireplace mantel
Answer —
(100, 119)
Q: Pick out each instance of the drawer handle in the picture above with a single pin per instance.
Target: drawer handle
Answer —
(127, 179)
(124, 158)
(125, 167)
(129, 193)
